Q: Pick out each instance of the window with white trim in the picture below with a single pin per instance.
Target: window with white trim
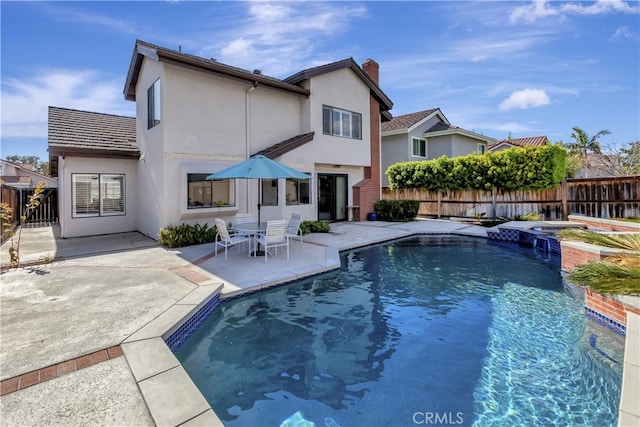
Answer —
(418, 147)
(481, 148)
(207, 193)
(298, 191)
(343, 123)
(153, 105)
(97, 195)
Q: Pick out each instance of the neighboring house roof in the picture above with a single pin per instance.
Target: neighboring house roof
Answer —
(75, 132)
(378, 94)
(532, 141)
(600, 166)
(143, 49)
(23, 175)
(407, 121)
(285, 146)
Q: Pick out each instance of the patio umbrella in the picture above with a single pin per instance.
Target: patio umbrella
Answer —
(258, 167)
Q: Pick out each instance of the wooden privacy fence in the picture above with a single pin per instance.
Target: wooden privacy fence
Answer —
(17, 199)
(616, 197)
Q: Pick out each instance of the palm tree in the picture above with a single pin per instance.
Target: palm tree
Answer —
(583, 145)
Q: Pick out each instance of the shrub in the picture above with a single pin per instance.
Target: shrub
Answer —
(321, 226)
(396, 210)
(531, 216)
(176, 236)
(516, 168)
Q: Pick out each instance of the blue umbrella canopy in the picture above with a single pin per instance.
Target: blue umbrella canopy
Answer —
(258, 167)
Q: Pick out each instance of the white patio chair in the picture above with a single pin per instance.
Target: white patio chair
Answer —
(274, 237)
(293, 227)
(224, 238)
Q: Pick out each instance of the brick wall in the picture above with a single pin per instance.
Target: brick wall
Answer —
(608, 307)
(574, 257)
(368, 191)
(605, 224)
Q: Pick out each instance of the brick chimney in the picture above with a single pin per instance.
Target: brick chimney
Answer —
(371, 69)
(369, 190)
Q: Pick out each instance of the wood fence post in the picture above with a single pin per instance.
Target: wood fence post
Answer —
(564, 192)
(493, 202)
(439, 203)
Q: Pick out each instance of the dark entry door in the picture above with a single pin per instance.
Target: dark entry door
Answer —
(332, 197)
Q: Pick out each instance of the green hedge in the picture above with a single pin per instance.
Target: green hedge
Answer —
(176, 236)
(516, 168)
(396, 210)
(321, 226)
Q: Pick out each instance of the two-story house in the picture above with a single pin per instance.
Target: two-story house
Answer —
(196, 116)
(425, 135)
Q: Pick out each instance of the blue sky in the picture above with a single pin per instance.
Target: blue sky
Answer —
(525, 68)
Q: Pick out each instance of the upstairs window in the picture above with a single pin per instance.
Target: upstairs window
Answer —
(343, 123)
(153, 105)
(207, 193)
(481, 148)
(418, 147)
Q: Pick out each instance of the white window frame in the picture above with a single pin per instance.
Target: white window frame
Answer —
(231, 196)
(415, 140)
(153, 105)
(298, 188)
(100, 191)
(343, 123)
(481, 148)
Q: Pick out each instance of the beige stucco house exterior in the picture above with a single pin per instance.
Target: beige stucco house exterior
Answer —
(425, 135)
(196, 116)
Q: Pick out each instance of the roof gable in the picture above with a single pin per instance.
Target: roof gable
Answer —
(75, 131)
(408, 122)
(378, 94)
(157, 53)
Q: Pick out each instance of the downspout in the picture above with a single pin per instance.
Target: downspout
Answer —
(247, 130)
(61, 204)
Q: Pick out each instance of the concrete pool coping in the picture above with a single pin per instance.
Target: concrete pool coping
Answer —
(161, 380)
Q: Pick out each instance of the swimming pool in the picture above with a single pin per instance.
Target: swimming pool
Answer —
(425, 329)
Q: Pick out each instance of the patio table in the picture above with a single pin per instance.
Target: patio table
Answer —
(251, 229)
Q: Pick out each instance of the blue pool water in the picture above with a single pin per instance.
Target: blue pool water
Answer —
(426, 330)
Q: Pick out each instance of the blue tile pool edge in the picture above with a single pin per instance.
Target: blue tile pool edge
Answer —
(191, 324)
(604, 320)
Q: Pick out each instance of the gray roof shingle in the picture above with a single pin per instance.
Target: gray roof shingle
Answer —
(406, 120)
(74, 131)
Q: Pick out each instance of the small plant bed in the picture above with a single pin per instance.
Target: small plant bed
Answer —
(177, 236)
(321, 226)
(616, 275)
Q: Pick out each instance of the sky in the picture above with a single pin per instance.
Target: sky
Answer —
(501, 68)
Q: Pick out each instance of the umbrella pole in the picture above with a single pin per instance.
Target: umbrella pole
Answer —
(258, 251)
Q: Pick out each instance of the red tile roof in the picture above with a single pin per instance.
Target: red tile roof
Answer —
(532, 141)
(406, 121)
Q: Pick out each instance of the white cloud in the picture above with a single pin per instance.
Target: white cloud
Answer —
(26, 101)
(623, 33)
(525, 98)
(541, 9)
(285, 37)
